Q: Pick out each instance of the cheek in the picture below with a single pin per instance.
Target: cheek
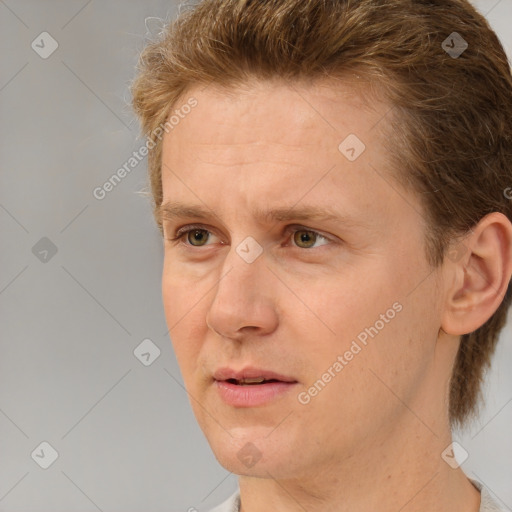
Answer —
(398, 355)
(185, 316)
(183, 292)
(371, 322)
(176, 300)
(363, 394)
(340, 309)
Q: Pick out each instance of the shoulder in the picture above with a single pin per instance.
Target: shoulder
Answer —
(487, 502)
(232, 504)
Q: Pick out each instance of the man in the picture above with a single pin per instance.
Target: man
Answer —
(329, 180)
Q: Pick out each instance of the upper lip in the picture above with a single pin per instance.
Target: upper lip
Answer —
(250, 373)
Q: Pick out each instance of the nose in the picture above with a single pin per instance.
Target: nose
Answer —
(244, 300)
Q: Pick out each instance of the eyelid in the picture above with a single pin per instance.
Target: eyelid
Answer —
(190, 227)
(180, 232)
(300, 227)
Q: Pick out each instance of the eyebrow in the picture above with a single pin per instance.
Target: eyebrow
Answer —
(176, 210)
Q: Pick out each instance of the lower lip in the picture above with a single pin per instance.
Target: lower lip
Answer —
(252, 395)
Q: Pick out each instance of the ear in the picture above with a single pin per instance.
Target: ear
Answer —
(479, 268)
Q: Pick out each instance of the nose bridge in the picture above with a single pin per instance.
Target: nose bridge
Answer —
(242, 295)
(243, 268)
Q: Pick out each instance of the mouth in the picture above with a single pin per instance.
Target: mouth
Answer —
(251, 387)
(250, 375)
(251, 382)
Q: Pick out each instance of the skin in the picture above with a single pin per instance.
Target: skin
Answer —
(372, 438)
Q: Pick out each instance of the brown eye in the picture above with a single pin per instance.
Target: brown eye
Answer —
(304, 239)
(197, 237)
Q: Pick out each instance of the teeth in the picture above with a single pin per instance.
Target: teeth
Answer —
(254, 380)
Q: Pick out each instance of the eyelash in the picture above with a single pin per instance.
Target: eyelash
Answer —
(183, 231)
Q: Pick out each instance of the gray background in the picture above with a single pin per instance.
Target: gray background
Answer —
(125, 434)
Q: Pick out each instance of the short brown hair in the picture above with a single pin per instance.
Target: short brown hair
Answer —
(451, 123)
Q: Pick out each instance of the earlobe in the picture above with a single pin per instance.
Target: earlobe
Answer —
(479, 276)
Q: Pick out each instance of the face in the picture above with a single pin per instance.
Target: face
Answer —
(291, 256)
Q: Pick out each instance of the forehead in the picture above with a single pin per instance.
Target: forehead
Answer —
(279, 144)
(277, 112)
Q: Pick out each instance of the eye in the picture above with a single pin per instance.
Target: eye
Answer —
(198, 236)
(307, 238)
(195, 236)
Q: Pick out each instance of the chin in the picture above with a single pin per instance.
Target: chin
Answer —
(251, 452)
